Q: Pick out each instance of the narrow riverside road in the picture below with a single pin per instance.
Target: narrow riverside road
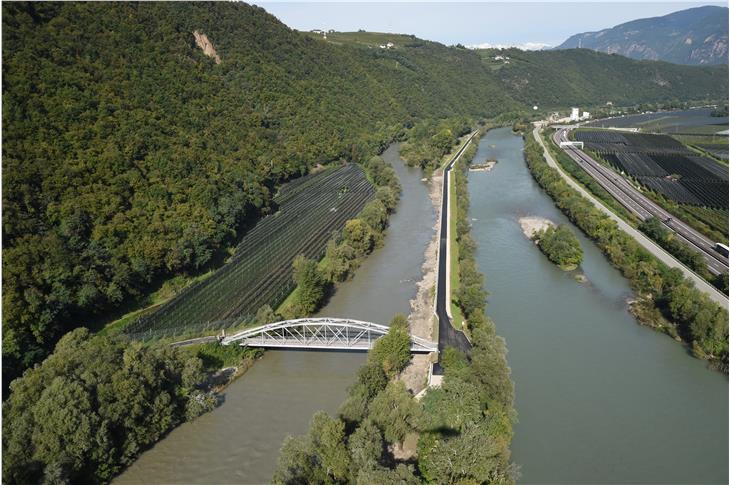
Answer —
(448, 335)
(640, 237)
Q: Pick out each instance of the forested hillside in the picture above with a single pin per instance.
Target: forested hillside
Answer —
(556, 79)
(130, 155)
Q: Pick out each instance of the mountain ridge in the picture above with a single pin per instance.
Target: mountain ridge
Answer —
(695, 36)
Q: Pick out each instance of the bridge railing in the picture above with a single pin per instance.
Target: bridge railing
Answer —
(335, 333)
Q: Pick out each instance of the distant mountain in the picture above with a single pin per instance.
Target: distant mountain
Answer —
(694, 36)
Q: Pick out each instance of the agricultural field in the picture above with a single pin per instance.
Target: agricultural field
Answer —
(260, 271)
(714, 145)
(663, 165)
(691, 121)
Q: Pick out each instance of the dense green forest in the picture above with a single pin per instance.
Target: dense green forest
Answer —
(130, 156)
(555, 79)
(93, 405)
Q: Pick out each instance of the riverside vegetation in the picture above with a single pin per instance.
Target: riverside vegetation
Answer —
(93, 405)
(94, 441)
(464, 428)
(106, 163)
(679, 249)
(666, 300)
(345, 250)
(469, 294)
(560, 245)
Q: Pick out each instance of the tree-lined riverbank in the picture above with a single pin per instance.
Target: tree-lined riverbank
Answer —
(599, 397)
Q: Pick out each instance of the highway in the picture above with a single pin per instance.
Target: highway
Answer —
(660, 253)
(643, 207)
(448, 335)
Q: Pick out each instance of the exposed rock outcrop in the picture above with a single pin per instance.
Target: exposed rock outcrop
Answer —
(204, 43)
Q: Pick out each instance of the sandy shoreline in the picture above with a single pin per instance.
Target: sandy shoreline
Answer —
(531, 225)
(483, 167)
(420, 319)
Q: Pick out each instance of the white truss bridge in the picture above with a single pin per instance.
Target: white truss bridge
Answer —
(320, 333)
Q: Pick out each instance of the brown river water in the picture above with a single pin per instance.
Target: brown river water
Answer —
(600, 398)
(239, 442)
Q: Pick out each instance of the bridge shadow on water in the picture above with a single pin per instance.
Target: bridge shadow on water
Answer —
(318, 350)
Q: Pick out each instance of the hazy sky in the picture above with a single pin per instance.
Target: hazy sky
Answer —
(507, 23)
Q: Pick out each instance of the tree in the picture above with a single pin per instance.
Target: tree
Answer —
(68, 425)
(560, 245)
(453, 360)
(375, 215)
(401, 474)
(318, 457)
(471, 298)
(393, 350)
(296, 464)
(387, 197)
(93, 405)
(400, 321)
(358, 235)
(490, 371)
(395, 412)
(471, 456)
(310, 285)
(266, 315)
(372, 377)
(366, 447)
(455, 405)
(443, 140)
(328, 445)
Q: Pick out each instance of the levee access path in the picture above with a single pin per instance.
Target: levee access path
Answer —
(448, 335)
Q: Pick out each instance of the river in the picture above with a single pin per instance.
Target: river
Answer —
(600, 399)
(239, 441)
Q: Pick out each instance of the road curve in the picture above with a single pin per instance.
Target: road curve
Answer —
(640, 237)
(448, 335)
(644, 208)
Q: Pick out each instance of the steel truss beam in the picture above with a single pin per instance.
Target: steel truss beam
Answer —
(320, 333)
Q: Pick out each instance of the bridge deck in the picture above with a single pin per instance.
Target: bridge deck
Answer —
(292, 343)
(320, 333)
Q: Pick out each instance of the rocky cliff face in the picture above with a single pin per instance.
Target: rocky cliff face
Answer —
(694, 36)
(204, 43)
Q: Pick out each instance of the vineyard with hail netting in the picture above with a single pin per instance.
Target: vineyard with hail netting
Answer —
(260, 271)
(664, 165)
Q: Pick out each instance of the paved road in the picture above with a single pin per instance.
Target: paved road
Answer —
(640, 237)
(644, 208)
(448, 335)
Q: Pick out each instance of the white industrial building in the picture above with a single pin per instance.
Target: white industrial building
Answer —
(574, 114)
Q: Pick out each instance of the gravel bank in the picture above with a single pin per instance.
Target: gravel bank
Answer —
(421, 318)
